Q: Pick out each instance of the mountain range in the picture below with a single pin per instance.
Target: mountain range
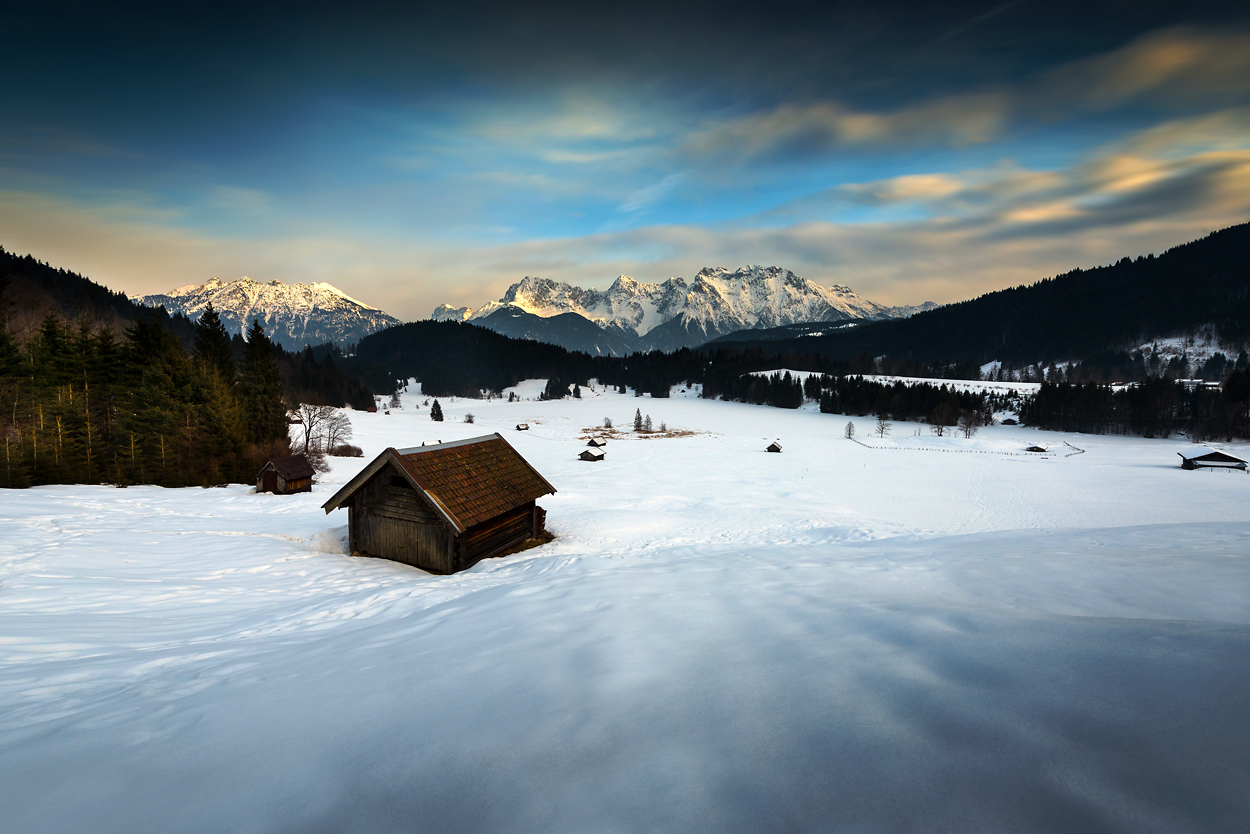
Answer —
(293, 315)
(633, 316)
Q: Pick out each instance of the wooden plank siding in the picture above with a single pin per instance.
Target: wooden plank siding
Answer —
(396, 522)
(496, 535)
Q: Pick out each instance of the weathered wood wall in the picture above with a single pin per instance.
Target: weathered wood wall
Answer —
(395, 522)
(497, 535)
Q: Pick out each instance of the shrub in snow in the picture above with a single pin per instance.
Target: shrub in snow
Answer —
(347, 450)
(469, 418)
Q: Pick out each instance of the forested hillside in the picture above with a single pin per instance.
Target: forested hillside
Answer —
(30, 289)
(1077, 316)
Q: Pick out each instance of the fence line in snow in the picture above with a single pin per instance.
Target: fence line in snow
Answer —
(957, 451)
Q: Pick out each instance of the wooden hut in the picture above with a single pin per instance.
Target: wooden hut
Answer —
(774, 447)
(1036, 447)
(592, 455)
(1204, 457)
(285, 476)
(522, 426)
(597, 442)
(443, 507)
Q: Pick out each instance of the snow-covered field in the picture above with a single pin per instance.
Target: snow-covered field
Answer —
(836, 638)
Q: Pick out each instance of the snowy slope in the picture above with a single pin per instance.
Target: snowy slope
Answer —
(293, 315)
(835, 638)
(716, 302)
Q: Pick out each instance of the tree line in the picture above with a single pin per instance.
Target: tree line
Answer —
(1152, 408)
(81, 405)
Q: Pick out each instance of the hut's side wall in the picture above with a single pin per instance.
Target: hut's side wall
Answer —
(497, 535)
(396, 523)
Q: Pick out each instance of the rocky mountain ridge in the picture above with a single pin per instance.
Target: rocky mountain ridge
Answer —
(674, 314)
(293, 315)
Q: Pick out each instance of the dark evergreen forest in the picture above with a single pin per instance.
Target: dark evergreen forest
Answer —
(82, 406)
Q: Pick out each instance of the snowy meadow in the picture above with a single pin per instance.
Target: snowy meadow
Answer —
(880, 634)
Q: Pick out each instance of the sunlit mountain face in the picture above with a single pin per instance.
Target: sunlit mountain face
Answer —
(414, 156)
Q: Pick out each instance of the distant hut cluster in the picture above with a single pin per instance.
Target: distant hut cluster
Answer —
(595, 451)
(443, 507)
(285, 476)
(1204, 457)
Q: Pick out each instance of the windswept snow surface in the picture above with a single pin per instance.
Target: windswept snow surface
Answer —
(836, 638)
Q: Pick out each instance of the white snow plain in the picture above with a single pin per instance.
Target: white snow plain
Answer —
(836, 638)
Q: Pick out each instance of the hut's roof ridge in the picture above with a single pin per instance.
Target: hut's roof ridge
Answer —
(1199, 451)
(293, 467)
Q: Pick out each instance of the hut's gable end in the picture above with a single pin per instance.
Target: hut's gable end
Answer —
(389, 493)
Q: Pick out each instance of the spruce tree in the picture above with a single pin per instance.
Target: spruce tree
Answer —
(212, 344)
(637, 419)
(436, 412)
(260, 390)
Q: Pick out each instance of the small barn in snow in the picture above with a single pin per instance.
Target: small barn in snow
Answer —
(597, 442)
(1202, 457)
(592, 455)
(774, 447)
(522, 426)
(285, 476)
(444, 507)
(1036, 447)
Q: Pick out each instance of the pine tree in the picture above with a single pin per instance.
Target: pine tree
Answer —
(436, 412)
(212, 344)
(260, 390)
(637, 419)
(646, 423)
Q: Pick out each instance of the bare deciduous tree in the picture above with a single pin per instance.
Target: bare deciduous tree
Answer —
(324, 427)
(969, 422)
(883, 426)
(849, 431)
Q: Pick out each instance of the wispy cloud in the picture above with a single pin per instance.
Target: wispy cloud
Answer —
(798, 133)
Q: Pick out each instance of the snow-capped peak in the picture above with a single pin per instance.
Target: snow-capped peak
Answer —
(717, 301)
(292, 314)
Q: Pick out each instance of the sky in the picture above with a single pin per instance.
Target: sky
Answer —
(415, 154)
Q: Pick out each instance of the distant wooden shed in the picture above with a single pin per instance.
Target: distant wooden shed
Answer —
(1202, 457)
(592, 455)
(597, 442)
(522, 426)
(774, 447)
(443, 507)
(1036, 447)
(285, 476)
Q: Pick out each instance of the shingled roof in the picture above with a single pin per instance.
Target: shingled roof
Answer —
(469, 481)
(293, 467)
